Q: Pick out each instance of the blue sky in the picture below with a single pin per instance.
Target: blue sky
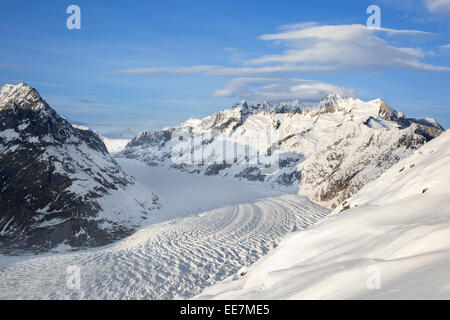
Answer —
(151, 64)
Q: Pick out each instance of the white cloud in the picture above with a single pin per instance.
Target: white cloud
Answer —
(438, 6)
(344, 46)
(334, 32)
(275, 90)
(308, 47)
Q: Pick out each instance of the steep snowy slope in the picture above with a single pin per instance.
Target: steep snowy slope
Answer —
(328, 150)
(58, 183)
(393, 242)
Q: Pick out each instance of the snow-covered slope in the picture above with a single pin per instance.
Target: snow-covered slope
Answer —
(115, 145)
(55, 180)
(328, 150)
(392, 243)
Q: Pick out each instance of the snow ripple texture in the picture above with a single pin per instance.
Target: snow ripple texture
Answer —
(174, 259)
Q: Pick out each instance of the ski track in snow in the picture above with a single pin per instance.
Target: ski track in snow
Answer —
(172, 259)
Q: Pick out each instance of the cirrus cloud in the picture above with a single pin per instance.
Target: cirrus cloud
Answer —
(276, 90)
(345, 46)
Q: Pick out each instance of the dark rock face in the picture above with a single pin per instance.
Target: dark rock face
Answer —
(251, 174)
(288, 179)
(51, 176)
(152, 139)
(214, 169)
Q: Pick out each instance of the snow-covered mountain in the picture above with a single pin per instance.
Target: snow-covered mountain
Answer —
(328, 150)
(390, 242)
(59, 185)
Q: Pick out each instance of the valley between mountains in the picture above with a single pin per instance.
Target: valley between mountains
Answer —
(255, 201)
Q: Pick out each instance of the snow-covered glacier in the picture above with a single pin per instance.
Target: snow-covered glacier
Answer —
(206, 230)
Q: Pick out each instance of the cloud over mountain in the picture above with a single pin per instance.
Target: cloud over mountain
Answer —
(278, 89)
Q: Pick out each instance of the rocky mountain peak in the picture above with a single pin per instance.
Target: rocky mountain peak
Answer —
(386, 112)
(331, 98)
(53, 178)
(21, 96)
(24, 111)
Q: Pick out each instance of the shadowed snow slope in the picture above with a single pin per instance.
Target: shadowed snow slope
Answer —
(399, 231)
(207, 230)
